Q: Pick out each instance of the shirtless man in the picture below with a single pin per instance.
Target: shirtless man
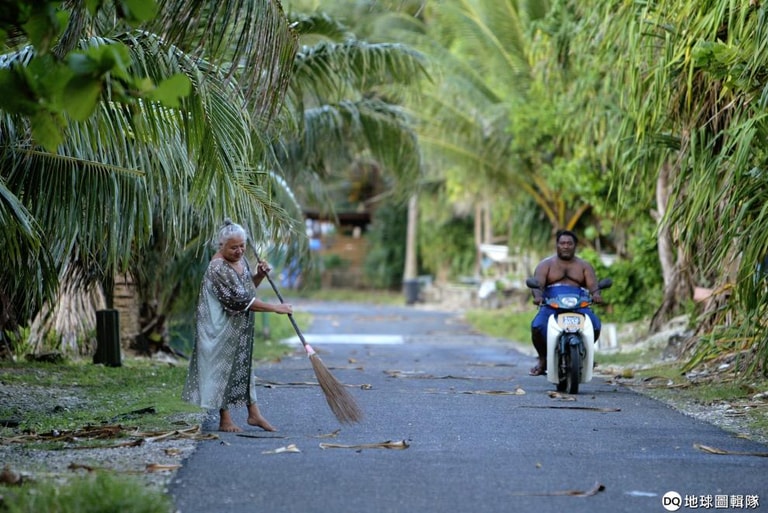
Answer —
(563, 268)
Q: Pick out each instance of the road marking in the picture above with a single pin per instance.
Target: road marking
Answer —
(347, 339)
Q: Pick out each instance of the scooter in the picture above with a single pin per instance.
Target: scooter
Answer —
(570, 336)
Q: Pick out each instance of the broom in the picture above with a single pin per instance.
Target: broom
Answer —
(342, 404)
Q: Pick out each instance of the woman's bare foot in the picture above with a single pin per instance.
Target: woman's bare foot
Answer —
(229, 427)
(226, 424)
(255, 418)
(262, 423)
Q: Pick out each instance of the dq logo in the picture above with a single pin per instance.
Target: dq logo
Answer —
(671, 501)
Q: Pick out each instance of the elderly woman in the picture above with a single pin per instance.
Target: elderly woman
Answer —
(220, 369)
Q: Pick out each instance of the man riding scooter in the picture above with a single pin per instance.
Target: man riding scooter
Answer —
(564, 269)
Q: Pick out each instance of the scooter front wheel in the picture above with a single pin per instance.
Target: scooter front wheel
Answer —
(573, 374)
(562, 371)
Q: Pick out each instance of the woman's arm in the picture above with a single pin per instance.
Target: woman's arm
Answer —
(278, 308)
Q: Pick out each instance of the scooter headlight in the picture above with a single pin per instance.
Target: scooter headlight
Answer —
(569, 301)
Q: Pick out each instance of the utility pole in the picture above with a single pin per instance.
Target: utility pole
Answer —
(410, 278)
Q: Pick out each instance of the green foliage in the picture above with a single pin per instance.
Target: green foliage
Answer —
(96, 493)
(637, 285)
(44, 89)
(385, 261)
(447, 245)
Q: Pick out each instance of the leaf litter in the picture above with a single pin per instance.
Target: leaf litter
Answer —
(389, 444)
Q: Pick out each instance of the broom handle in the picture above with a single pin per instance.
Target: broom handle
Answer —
(280, 297)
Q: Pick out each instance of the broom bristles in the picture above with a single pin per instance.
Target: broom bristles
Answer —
(342, 404)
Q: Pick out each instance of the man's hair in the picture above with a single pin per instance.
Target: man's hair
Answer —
(569, 233)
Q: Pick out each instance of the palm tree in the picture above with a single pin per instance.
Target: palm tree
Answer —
(136, 167)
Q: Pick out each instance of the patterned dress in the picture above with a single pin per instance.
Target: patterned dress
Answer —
(220, 369)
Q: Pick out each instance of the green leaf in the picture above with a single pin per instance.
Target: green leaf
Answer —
(82, 64)
(138, 11)
(82, 95)
(47, 129)
(170, 91)
(44, 25)
(16, 95)
(93, 6)
(113, 58)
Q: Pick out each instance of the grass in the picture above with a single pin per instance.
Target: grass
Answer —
(90, 494)
(511, 325)
(105, 395)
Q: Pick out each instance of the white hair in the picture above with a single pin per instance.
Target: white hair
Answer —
(229, 231)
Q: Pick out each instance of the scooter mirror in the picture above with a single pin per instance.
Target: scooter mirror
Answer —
(605, 283)
(532, 283)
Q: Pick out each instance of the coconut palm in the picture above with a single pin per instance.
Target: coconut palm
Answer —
(138, 168)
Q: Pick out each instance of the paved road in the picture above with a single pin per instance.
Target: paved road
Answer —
(482, 435)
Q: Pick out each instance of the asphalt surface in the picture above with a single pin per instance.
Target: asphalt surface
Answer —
(482, 436)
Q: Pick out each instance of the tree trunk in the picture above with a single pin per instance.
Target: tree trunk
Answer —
(677, 283)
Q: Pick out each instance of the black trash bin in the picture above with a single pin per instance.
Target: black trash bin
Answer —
(108, 338)
(411, 289)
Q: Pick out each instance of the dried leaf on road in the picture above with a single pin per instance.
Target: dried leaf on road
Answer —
(389, 444)
(561, 396)
(332, 434)
(588, 408)
(596, 488)
(516, 391)
(249, 435)
(280, 450)
(273, 384)
(714, 450)
(422, 375)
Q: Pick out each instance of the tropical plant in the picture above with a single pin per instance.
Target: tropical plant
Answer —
(135, 169)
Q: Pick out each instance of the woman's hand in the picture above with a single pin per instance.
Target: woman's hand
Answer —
(263, 269)
(284, 308)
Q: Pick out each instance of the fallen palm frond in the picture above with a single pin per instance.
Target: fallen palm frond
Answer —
(248, 435)
(108, 433)
(192, 433)
(714, 450)
(273, 384)
(588, 408)
(422, 375)
(389, 444)
(516, 391)
(597, 488)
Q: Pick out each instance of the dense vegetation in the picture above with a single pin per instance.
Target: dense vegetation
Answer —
(631, 123)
